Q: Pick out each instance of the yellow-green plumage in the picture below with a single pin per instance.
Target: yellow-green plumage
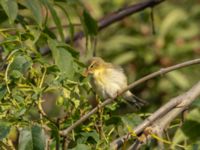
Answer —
(108, 80)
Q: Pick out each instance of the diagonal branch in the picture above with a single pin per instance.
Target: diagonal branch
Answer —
(159, 125)
(113, 18)
(119, 15)
(65, 132)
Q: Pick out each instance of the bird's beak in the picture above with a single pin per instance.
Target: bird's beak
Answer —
(85, 73)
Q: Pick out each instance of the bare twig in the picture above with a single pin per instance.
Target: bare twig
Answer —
(162, 117)
(113, 18)
(65, 143)
(65, 132)
(119, 15)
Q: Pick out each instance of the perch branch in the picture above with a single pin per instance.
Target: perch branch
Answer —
(113, 18)
(108, 101)
(159, 125)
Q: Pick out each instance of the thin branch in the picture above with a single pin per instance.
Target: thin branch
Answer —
(65, 132)
(119, 15)
(113, 18)
(183, 101)
(65, 143)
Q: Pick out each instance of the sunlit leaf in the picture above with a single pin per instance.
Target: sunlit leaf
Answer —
(25, 140)
(13, 133)
(178, 137)
(194, 115)
(62, 57)
(32, 138)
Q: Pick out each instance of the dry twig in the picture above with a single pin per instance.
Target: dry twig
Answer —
(158, 125)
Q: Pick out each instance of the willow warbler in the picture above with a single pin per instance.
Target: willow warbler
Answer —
(108, 80)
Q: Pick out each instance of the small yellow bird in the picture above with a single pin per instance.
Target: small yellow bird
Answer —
(108, 80)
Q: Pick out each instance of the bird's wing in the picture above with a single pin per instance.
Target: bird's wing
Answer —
(116, 76)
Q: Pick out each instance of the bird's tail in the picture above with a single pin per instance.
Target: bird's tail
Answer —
(132, 99)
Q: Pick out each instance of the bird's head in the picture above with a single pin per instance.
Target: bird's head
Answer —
(96, 64)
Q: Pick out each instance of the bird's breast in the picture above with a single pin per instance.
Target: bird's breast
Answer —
(107, 84)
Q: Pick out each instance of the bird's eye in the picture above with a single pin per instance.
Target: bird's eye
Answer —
(92, 66)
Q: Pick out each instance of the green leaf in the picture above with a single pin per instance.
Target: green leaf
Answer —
(15, 74)
(178, 138)
(196, 103)
(35, 8)
(62, 57)
(70, 49)
(49, 32)
(25, 140)
(38, 137)
(11, 9)
(32, 139)
(194, 115)
(56, 18)
(92, 135)
(3, 16)
(90, 23)
(20, 64)
(191, 130)
(131, 120)
(4, 129)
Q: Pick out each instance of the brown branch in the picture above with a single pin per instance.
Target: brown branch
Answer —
(65, 132)
(119, 15)
(113, 18)
(159, 125)
(65, 143)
